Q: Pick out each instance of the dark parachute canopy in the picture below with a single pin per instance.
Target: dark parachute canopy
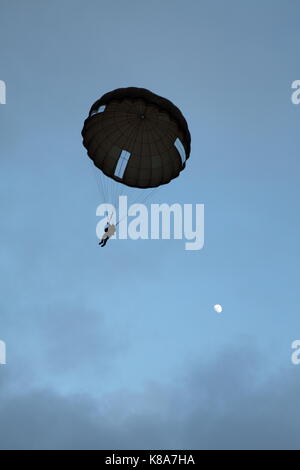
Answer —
(137, 138)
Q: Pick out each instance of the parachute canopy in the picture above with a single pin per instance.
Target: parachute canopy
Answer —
(137, 138)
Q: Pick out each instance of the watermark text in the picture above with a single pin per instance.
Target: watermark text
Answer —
(295, 97)
(177, 221)
(295, 357)
(2, 92)
(2, 352)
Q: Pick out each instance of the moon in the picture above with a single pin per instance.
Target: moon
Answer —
(218, 308)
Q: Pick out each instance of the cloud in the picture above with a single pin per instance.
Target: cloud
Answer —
(227, 404)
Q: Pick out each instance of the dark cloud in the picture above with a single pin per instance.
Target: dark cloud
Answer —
(216, 406)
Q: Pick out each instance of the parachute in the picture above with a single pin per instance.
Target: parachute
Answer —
(136, 138)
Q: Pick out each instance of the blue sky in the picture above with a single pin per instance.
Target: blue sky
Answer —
(127, 335)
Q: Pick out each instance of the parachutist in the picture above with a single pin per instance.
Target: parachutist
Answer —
(132, 154)
(108, 232)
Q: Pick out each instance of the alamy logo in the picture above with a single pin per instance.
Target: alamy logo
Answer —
(295, 357)
(2, 352)
(2, 92)
(296, 94)
(163, 222)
